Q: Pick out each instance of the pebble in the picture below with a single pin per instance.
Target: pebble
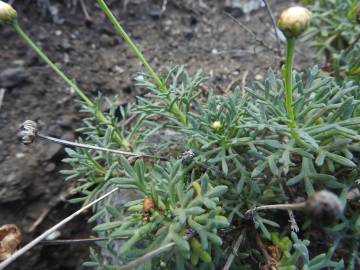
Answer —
(239, 7)
(12, 77)
(106, 40)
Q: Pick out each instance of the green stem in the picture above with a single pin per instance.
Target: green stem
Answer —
(29, 42)
(288, 80)
(159, 83)
(99, 114)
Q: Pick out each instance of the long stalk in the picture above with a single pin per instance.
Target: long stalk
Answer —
(288, 80)
(99, 114)
(159, 83)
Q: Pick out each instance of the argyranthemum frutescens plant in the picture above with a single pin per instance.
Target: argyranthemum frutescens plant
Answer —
(197, 163)
(335, 32)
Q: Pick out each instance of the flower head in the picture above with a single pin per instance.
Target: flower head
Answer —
(216, 125)
(7, 13)
(294, 21)
(324, 206)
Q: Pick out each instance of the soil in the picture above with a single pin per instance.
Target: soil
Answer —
(197, 34)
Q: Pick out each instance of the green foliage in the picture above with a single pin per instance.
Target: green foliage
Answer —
(335, 30)
(252, 159)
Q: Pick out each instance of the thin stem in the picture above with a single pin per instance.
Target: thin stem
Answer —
(99, 114)
(234, 250)
(150, 255)
(42, 55)
(283, 206)
(93, 147)
(41, 237)
(159, 83)
(288, 80)
(132, 45)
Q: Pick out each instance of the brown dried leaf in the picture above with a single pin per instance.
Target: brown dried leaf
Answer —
(10, 239)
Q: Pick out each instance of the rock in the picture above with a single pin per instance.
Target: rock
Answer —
(106, 40)
(12, 186)
(240, 7)
(12, 77)
(50, 167)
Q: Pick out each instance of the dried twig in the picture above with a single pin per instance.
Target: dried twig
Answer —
(2, 94)
(75, 241)
(278, 43)
(150, 255)
(234, 250)
(40, 238)
(86, 13)
(293, 224)
(243, 83)
(29, 133)
(248, 30)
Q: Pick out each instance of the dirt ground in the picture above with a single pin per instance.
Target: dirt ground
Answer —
(197, 34)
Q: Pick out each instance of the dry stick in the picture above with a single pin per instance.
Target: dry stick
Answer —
(37, 240)
(261, 42)
(94, 147)
(150, 255)
(86, 13)
(75, 241)
(243, 83)
(293, 224)
(2, 93)
(234, 250)
(275, 27)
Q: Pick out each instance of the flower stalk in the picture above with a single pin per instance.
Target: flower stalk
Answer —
(98, 113)
(159, 83)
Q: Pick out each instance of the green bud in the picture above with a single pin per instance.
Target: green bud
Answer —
(216, 125)
(294, 21)
(7, 13)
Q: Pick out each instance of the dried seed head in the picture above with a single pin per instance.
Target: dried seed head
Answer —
(7, 13)
(28, 132)
(187, 157)
(216, 125)
(148, 204)
(324, 206)
(10, 239)
(294, 21)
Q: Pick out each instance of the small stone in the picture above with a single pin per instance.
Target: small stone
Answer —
(12, 77)
(239, 7)
(50, 167)
(106, 40)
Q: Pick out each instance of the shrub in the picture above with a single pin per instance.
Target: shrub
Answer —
(199, 163)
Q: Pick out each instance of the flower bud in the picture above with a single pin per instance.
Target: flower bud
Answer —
(7, 13)
(216, 125)
(323, 206)
(294, 21)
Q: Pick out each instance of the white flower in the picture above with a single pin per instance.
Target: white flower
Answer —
(294, 21)
(7, 13)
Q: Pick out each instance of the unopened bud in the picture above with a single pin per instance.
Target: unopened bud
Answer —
(323, 206)
(216, 125)
(294, 21)
(7, 13)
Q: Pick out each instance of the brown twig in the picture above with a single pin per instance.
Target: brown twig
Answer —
(40, 238)
(234, 250)
(260, 244)
(352, 45)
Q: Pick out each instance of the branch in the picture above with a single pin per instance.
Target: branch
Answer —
(275, 27)
(37, 240)
(151, 255)
(234, 250)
